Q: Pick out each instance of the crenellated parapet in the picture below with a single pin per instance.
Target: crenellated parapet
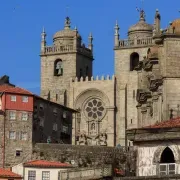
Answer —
(97, 78)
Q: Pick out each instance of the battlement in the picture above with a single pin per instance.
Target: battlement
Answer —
(97, 78)
(66, 49)
(127, 43)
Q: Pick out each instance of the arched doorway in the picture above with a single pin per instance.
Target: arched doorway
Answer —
(167, 162)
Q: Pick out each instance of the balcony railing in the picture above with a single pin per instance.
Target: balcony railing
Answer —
(135, 42)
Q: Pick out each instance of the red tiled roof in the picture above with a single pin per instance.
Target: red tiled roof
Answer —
(8, 174)
(15, 90)
(46, 164)
(173, 123)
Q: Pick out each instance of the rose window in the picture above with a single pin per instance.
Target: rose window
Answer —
(94, 109)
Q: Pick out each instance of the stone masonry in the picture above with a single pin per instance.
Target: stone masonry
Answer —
(144, 89)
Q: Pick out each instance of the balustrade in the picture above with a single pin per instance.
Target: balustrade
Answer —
(135, 42)
(66, 48)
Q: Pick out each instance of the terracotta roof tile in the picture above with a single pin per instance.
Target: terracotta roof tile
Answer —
(173, 123)
(8, 174)
(16, 90)
(46, 164)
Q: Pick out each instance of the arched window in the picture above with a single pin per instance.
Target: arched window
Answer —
(134, 60)
(167, 156)
(167, 162)
(58, 68)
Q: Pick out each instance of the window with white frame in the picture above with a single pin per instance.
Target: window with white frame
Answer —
(55, 127)
(13, 98)
(12, 135)
(167, 164)
(41, 123)
(12, 115)
(45, 175)
(31, 175)
(24, 116)
(65, 129)
(25, 99)
(24, 136)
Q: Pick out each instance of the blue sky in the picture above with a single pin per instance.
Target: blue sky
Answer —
(21, 23)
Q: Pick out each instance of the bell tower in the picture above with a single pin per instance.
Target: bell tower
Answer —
(128, 53)
(65, 59)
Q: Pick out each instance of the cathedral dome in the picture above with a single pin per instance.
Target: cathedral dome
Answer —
(67, 33)
(141, 26)
(176, 26)
(141, 29)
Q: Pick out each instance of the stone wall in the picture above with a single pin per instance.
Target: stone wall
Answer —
(87, 173)
(88, 156)
(12, 146)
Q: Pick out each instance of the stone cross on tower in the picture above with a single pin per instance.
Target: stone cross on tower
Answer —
(67, 23)
(142, 12)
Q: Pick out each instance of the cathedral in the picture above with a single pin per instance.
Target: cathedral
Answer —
(144, 89)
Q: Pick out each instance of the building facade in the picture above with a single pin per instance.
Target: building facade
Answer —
(41, 169)
(27, 119)
(143, 90)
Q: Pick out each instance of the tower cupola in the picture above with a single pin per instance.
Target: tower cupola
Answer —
(141, 29)
(67, 35)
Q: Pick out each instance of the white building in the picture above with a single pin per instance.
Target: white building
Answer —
(40, 170)
(158, 148)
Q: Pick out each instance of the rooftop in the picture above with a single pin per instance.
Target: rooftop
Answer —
(173, 123)
(16, 90)
(8, 174)
(46, 164)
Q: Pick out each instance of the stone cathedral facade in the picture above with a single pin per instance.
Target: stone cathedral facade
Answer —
(144, 90)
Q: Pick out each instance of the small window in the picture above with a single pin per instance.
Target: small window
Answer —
(31, 175)
(12, 135)
(45, 175)
(12, 115)
(64, 114)
(24, 136)
(41, 123)
(24, 116)
(56, 97)
(41, 107)
(55, 127)
(13, 98)
(18, 152)
(65, 129)
(25, 99)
